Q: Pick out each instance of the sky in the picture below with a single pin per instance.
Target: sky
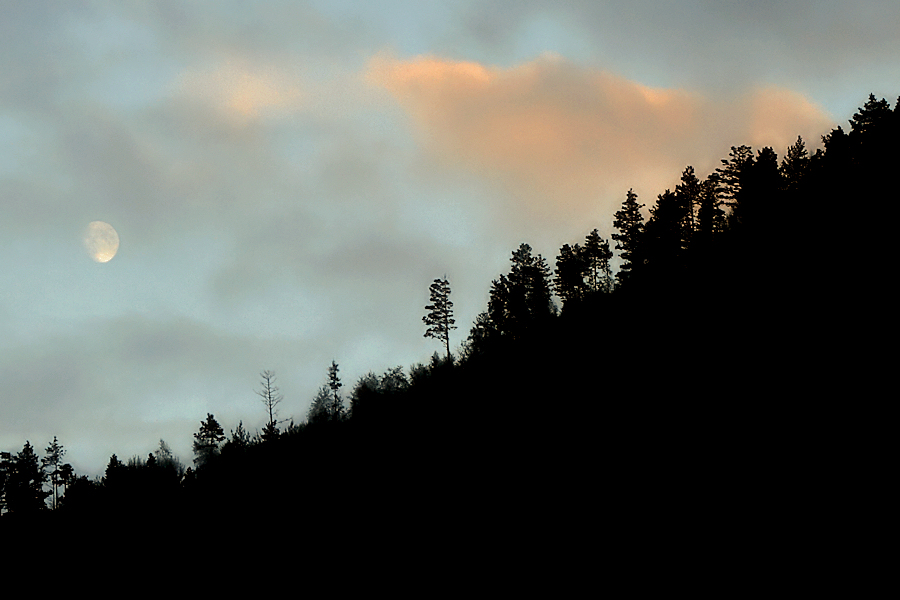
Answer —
(287, 178)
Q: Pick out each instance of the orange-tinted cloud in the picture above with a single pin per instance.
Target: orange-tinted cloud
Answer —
(560, 137)
(241, 92)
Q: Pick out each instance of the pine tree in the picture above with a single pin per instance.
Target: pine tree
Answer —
(630, 223)
(440, 317)
(569, 282)
(710, 216)
(870, 115)
(500, 319)
(319, 409)
(363, 394)
(166, 459)
(52, 462)
(336, 405)
(794, 166)
(393, 381)
(688, 194)
(529, 299)
(596, 258)
(730, 174)
(207, 440)
(239, 440)
(113, 470)
(66, 476)
(24, 492)
(664, 244)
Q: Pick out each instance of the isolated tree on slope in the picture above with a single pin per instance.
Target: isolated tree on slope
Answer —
(270, 399)
(440, 316)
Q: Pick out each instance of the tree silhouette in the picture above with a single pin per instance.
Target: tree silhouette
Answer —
(25, 493)
(710, 216)
(529, 299)
(630, 223)
(336, 406)
(270, 399)
(207, 440)
(688, 193)
(5, 471)
(113, 469)
(596, 258)
(167, 460)
(664, 240)
(794, 166)
(730, 174)
(319, 409)
(239, 440)
(52, 462)
(363, 396)
(66, 476)
(571, 267)
(871, 115)
(440, 316)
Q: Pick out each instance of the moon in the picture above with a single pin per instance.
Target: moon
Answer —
(101, 241)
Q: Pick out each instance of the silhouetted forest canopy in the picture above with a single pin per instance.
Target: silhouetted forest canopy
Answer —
(663, 354)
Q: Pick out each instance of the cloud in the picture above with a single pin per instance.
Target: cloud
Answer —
(241, 92)
(558, 137)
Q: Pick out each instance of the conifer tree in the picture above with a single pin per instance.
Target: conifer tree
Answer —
(207, 440)
(66, 476)
(569, 282)
(52, 462)
(24, 492)
(596, 259)
(336, 405)
(730, 174)
(710, 216)
(870, 115)
(113, 470)
(630, 223)
(664, 245)
(440, 316)
(319, 409)
(688, 194)
(500, 319)
(794, 166)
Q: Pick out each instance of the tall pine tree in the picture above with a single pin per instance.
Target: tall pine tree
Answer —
(440, 316)
(630, 223)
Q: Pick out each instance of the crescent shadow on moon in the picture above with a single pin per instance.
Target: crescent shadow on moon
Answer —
(101, 241)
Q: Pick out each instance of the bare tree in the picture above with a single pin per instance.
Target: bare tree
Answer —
(270, 397)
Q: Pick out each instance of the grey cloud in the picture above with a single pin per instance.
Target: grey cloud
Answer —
(708, 42)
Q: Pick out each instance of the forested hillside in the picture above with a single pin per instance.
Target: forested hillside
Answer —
(662, 361)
